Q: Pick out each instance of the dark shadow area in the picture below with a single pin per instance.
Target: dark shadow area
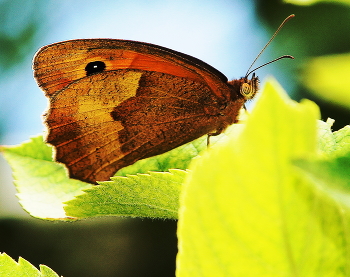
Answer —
(102, 247)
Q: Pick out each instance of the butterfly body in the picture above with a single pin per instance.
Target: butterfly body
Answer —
(113, 102)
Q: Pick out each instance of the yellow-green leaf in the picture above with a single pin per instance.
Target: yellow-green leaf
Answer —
(10, 268)
(154, 195)
(328, 77)
(310, 2)
(41, 183)
(246, 210)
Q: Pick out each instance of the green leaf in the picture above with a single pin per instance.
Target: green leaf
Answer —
(179, 158)
(326, 140)
(310, 2)
(333, 142)
(327, 77)
(246, 210)
(154, 195)
(333, 172)
(42, 184)
(9, 268)
(342, 138)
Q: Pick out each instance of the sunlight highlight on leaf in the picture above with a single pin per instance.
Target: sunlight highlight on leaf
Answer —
(42, 184)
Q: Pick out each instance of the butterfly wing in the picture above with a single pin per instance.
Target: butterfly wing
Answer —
(147, 100)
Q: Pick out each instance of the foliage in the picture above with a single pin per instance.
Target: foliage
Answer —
(269, 202)
(9, 268)
(328, 77)
(310, 2)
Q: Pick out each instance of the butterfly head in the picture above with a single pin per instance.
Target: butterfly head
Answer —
(249, 87)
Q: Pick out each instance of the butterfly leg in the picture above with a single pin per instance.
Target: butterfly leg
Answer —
(216, 133)
(208, 140)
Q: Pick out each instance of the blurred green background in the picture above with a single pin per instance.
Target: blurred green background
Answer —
(227, 34)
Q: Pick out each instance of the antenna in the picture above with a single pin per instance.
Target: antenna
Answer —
(267, 44)
(275, 60)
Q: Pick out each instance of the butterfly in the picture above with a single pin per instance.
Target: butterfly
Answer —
(114, 102)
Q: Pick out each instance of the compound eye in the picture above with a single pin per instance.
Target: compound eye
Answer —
(247, 90)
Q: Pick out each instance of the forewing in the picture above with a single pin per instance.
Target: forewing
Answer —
(58, 65)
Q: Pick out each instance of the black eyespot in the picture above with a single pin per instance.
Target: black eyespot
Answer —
(95, 67)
